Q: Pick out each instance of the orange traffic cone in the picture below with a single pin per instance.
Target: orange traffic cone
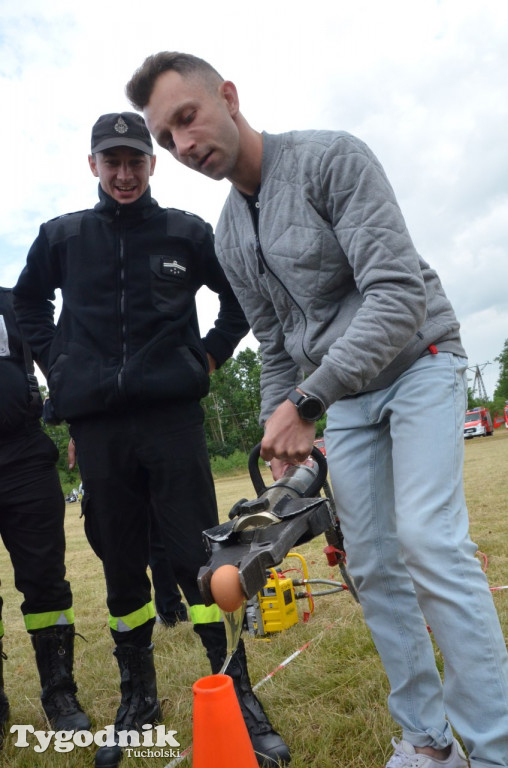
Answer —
(220, 736)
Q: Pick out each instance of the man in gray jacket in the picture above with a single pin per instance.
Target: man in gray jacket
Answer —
(352, 321)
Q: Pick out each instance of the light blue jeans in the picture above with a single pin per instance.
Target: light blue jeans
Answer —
(395, 459)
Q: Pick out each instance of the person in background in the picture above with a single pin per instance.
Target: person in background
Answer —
(126, 368)
(353, 322)
(32, 512)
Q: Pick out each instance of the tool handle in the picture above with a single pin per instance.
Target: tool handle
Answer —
(315, 486)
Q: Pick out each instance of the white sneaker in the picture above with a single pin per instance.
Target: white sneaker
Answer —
(406, 757)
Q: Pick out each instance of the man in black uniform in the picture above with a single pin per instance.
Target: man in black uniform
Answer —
(126, 367)
(32, 511)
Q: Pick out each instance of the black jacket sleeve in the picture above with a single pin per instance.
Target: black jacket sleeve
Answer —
(16, 407)
(33, 296)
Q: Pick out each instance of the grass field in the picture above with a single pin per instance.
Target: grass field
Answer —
(329, 702)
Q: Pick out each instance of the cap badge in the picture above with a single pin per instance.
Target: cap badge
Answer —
(121, 126)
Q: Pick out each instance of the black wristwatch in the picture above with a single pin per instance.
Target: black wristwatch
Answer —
(309, 407)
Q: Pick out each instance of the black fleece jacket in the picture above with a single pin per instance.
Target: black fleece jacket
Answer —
(128, 331)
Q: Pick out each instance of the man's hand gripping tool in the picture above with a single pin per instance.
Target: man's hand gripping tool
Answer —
(261, 532)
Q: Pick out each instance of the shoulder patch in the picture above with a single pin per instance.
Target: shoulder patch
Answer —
(64, 226)
(186, 213)
(67, 215)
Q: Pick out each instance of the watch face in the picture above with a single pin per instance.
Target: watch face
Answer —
(311, 408)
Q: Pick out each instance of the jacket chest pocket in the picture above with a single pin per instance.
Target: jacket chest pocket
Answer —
(170, 283)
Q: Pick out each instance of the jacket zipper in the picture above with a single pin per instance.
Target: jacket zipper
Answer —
(253, 204)
(263, 266)
(123, 329)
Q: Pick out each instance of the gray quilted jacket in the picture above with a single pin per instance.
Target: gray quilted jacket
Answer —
(333, 288)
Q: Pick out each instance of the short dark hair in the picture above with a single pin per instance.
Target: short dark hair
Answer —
(140, 86)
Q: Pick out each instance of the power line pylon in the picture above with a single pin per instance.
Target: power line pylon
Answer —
(478, 382)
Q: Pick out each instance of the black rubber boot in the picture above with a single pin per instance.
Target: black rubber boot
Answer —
(271, 750)
(4, 701)
(139, 704)
(54, 654)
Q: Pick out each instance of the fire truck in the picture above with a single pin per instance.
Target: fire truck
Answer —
(478, 423)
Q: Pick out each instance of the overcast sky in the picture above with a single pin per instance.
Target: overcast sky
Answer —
(423, 82)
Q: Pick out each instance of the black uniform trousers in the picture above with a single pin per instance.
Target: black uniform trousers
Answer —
(168, 600)
(32, 510)
(151, 456)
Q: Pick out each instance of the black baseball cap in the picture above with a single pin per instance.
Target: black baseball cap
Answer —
(121, 129)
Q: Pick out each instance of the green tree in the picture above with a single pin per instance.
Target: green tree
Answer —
(474, 402)
(501, 391)
(233, 404)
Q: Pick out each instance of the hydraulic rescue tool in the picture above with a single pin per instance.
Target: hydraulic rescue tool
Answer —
(261, 532)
